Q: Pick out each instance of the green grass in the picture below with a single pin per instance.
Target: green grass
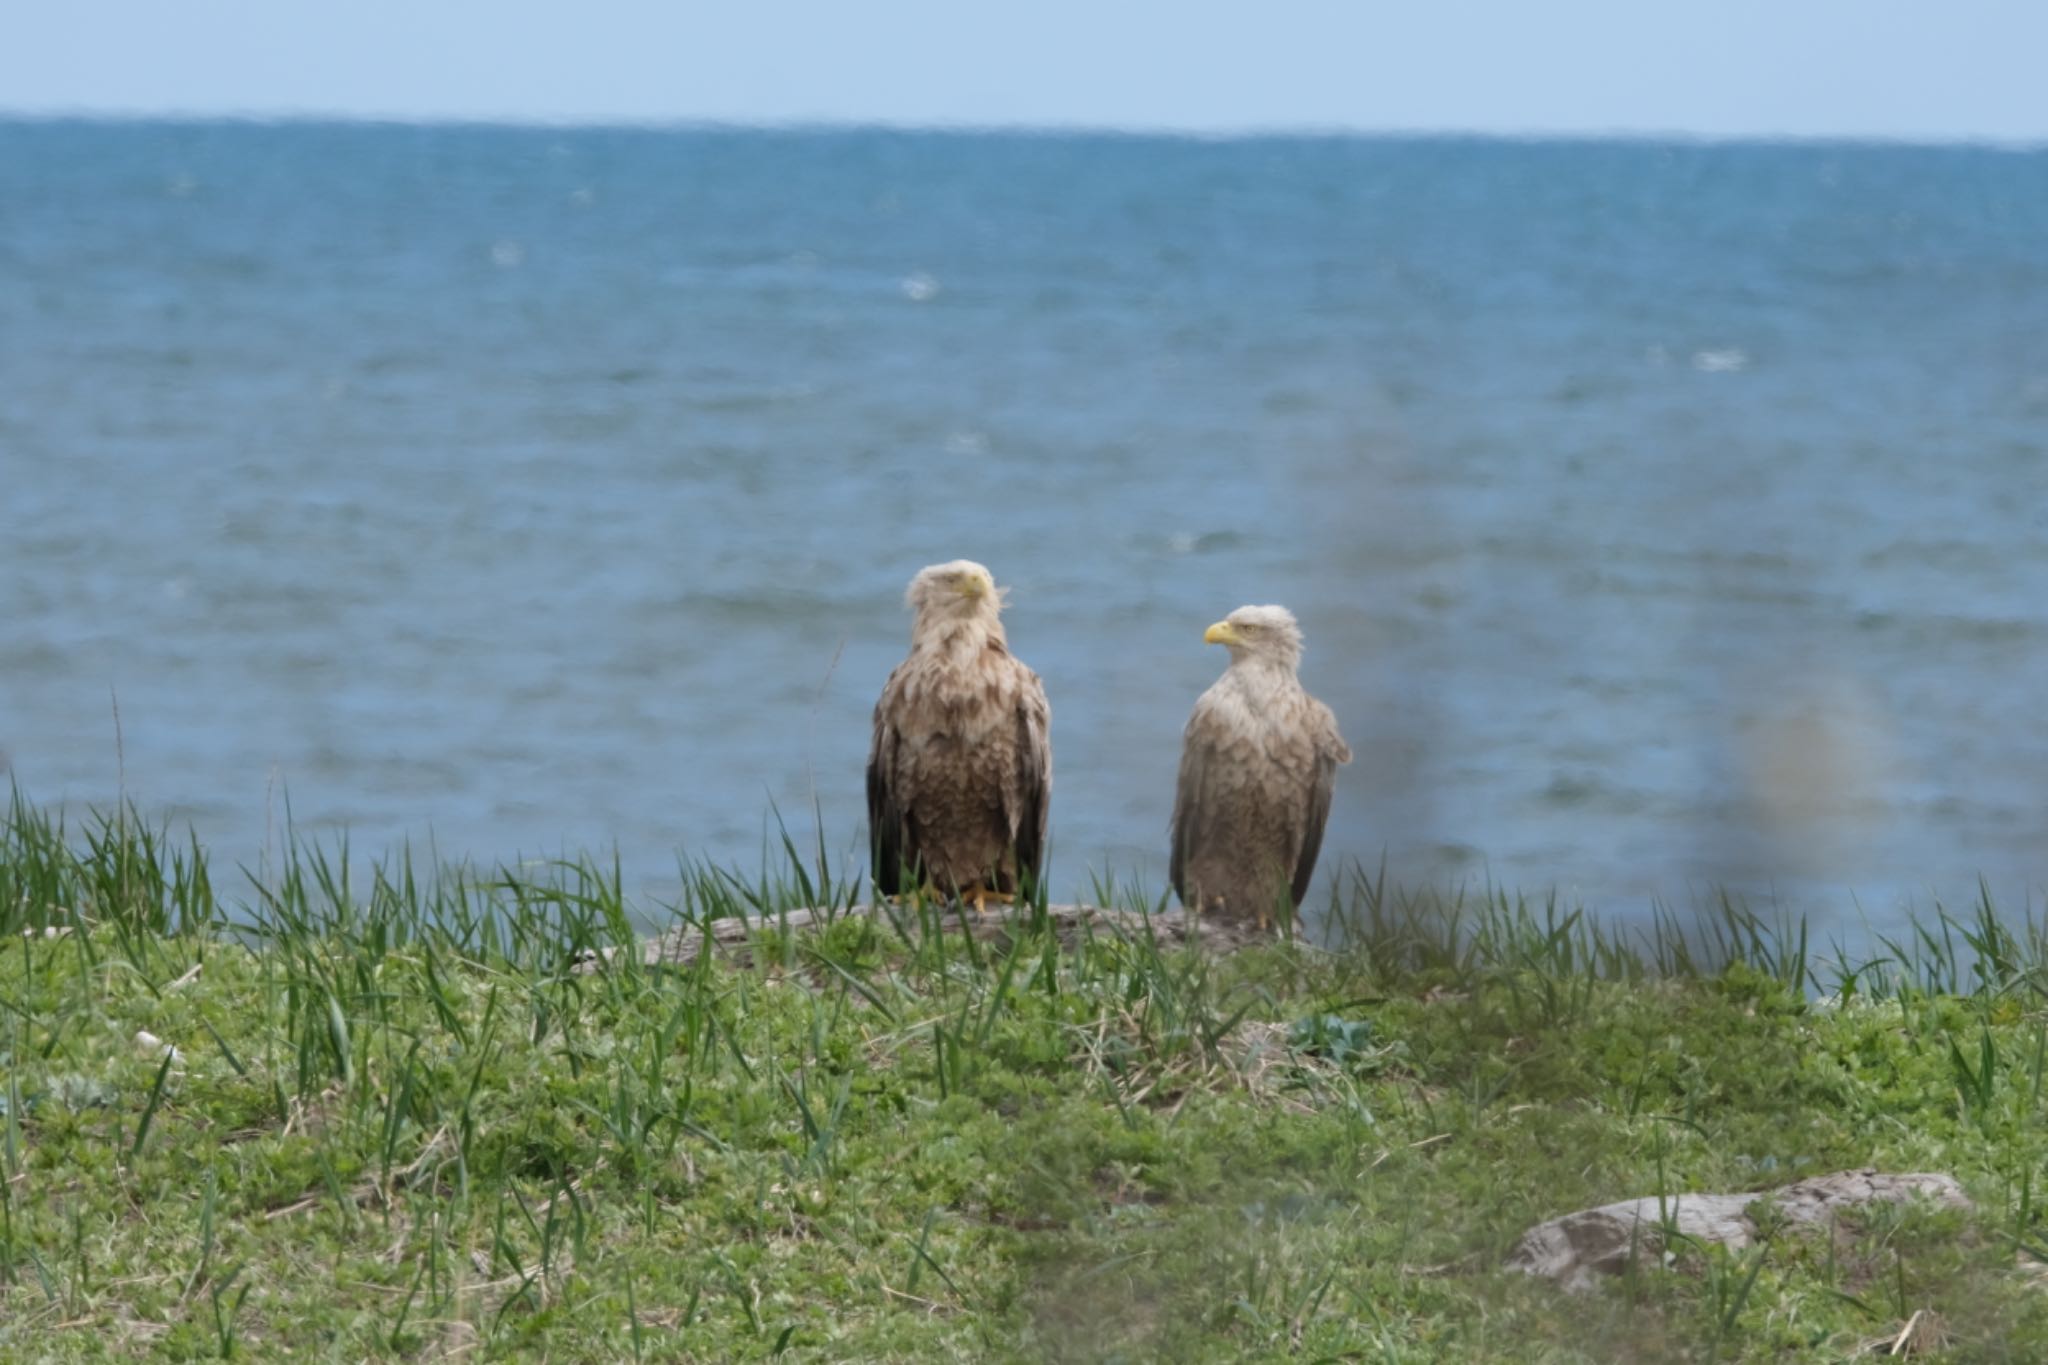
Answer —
(400, 1121)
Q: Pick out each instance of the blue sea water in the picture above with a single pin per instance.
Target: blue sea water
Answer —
(1661, 516)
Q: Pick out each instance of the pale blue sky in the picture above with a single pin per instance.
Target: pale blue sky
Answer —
(1939, 69)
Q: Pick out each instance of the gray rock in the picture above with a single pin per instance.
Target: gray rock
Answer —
(733, 938)
(1578, 1248)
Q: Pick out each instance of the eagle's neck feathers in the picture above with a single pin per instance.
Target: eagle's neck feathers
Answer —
(958, 640)
(1262, 674)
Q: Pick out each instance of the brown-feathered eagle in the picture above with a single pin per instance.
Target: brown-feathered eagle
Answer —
(960, 774)
(1257, 764)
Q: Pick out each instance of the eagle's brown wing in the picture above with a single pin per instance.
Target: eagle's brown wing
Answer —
(1028, 799)
(889, 859)
(1330, 752)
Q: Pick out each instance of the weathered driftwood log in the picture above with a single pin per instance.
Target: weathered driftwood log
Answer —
(733, 939)
(1577, 1249)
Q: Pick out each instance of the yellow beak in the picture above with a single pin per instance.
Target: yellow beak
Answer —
(1219, 634)
(973, 587)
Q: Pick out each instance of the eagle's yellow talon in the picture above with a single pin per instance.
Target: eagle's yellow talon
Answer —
(982, 895)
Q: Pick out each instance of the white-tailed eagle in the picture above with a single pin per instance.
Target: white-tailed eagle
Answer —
(960, 773)
(1257, 764)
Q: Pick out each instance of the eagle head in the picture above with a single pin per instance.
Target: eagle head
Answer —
(1265, 633)
(961, 590)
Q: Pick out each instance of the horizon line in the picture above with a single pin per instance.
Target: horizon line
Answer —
(1049, 128)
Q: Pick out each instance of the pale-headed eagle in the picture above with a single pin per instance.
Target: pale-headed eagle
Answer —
(960, 774)
(1257, 763)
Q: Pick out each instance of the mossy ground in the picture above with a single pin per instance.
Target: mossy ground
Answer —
(401, 1123)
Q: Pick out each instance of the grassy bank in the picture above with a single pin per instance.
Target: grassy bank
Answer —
(401, 1118)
